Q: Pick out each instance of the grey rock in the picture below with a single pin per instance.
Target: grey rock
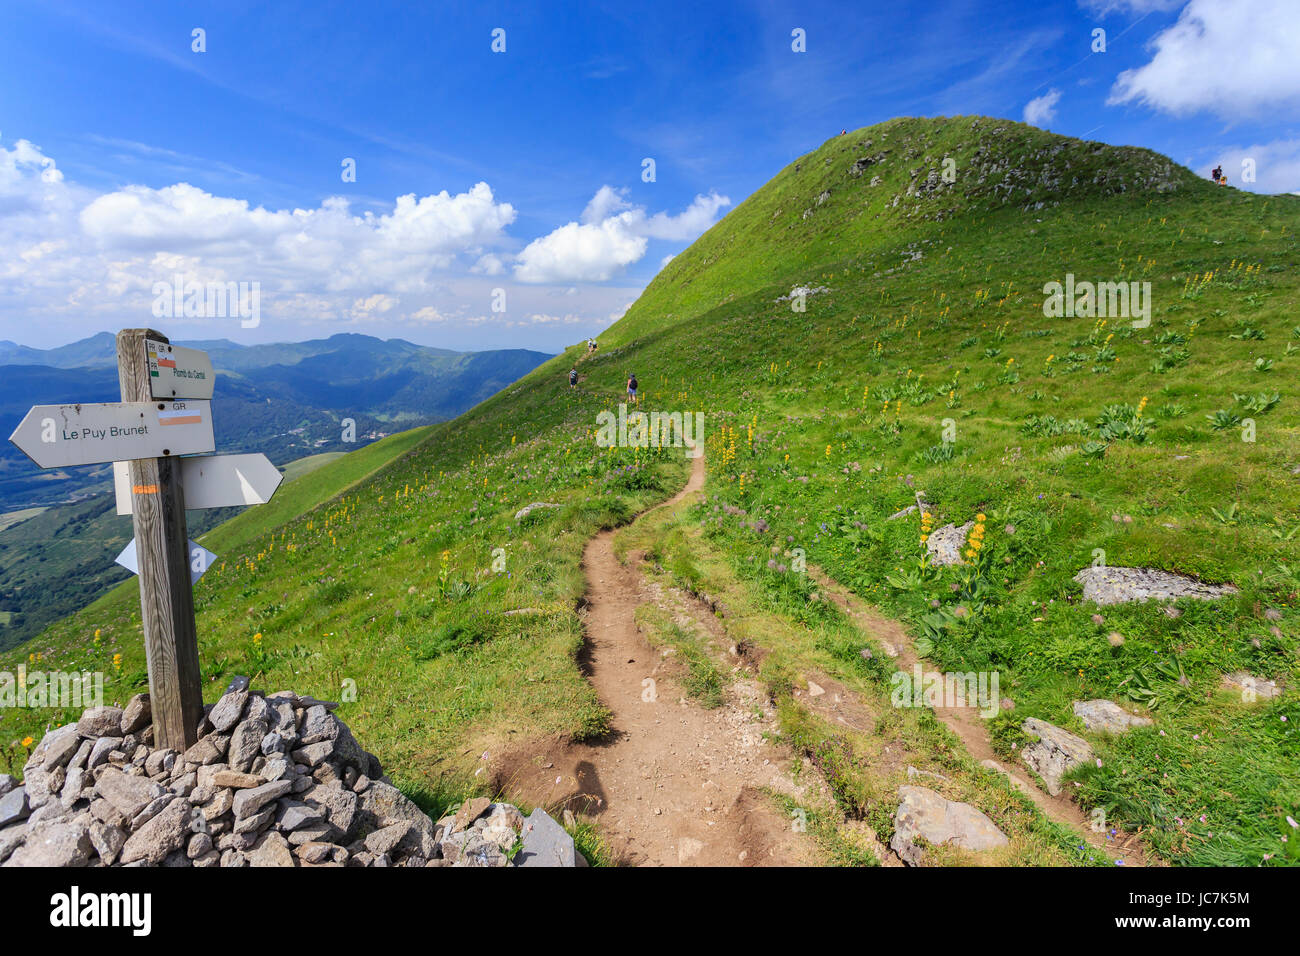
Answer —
(226, 713)
(528, 509)
(938, 820)
(64, 843)
(318, 725)
(246, 743)
(1106, 585)
(164, 834)
(1054, 752)
(340, 806)
(1250, 687)
(256, 822)
(100, 750)
(60, 750)
(7, 784)
(295, 815)
(314, 754)
(129, 795)
(271, 849)
(383, 805)
(100, 722)
(136, 715)
(14, 806)
(1106, 716)
(545, 842)
(205, 751)
(249, 802)
(200, 844)
(385, 840)
(945, 544)
(107, 840)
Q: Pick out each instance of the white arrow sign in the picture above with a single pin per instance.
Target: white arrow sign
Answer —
(213, 481)
(58, 436)
(200, 560)
(176, 372)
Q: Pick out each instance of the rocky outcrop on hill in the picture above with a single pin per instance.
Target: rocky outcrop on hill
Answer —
(273, 780)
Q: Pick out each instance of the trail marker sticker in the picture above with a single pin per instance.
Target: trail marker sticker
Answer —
(176, 372)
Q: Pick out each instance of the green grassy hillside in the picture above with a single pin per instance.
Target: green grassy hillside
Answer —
(1070, 435)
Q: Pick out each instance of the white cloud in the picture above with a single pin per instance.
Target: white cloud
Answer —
(1276, 165)
(612, 236)
(1236, 60)
(1041, 110)
(604, 204)
(1104, 7)
(488, 265)
(373, 305)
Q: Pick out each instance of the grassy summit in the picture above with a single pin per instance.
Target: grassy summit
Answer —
(922, 362)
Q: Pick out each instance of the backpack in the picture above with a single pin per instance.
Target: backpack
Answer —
(631, 383)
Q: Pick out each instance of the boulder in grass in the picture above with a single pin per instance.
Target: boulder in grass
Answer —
(1054, 752)
(1107, 585)
(1106, 716)
(931, 816)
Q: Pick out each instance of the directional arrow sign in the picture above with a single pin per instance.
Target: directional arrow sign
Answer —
(200, 560)
(176, 372)
(58, 436)
(213, 481)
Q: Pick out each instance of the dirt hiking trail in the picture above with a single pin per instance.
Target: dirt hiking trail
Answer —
(673, 783)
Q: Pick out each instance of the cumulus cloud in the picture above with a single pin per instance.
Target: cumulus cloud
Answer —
(1235, 60)
(611, 236)
(1041, 110)
(1275, 166)
(84, 260)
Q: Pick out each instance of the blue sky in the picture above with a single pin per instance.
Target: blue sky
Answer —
(128, 158)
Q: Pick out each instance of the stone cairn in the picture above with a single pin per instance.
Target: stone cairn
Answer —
(273, 780)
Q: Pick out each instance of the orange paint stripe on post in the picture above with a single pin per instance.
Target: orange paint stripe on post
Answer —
(144, 489)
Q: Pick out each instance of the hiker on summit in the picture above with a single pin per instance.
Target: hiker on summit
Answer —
(1217, 175)
(631, 388)
(573, 378)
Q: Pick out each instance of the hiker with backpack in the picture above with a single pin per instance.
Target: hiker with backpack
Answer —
(631, 388)
(573, 378)
(1217, 175)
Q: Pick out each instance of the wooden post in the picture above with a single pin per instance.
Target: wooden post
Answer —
(162, 552)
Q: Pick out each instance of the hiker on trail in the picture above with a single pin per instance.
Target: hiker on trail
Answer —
(631, 387)
(591, 345)
(1217, 174)
(573, 378)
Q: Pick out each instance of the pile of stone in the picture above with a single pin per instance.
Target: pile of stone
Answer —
(273, 780)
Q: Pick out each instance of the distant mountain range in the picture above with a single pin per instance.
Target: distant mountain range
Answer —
(285, 399)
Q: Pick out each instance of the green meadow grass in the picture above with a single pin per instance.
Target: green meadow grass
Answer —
(1075, 437)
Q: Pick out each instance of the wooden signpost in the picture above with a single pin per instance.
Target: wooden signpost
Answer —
(164, 413)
